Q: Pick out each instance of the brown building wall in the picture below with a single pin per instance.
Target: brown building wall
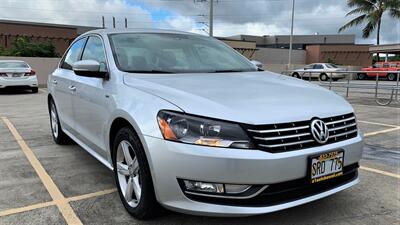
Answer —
(61, 37)
(354, 55)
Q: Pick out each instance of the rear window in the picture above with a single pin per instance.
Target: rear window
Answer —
(13, 65)
(330, 65)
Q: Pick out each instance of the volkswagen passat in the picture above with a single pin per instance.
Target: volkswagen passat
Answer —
(16, 73)
(187, 123)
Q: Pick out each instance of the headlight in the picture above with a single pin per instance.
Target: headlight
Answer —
(201, 131)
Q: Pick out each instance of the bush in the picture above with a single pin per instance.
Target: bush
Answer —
(22, 46)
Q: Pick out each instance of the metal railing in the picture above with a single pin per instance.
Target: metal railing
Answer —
(348, 85)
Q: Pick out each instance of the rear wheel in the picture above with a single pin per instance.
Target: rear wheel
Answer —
(133, 177)
(323, 77)
(296, 75)
(58, 134)
(35, 90)
(361, 76)
(391, 77)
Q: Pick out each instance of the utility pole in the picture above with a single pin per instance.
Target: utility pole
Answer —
(291, 38)
(113, 22)
(211, 17)
(126, 22)
(103, 22)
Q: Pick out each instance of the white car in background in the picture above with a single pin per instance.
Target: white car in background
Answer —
(16, 73)
(323, 71)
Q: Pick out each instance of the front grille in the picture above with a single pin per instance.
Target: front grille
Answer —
(284, 137)
(288, 191)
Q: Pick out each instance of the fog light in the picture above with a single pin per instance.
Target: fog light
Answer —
(203, 187)
(236, 188)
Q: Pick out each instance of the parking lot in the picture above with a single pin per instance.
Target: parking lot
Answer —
(43, 183)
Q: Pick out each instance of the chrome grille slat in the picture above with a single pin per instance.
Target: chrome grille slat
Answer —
(342, 127)
(340, 121)
(278, 130)
(292, 136)
(287, 144)
(342, 134)
(282, 137)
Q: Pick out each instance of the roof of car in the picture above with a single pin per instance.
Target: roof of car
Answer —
(136, 30)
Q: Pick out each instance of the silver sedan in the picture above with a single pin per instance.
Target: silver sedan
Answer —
(187, 123)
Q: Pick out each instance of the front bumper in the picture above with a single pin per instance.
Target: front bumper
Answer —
(170, 161)
(30, 81)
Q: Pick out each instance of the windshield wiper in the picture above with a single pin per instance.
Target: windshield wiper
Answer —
(226, 71)
(148, 71)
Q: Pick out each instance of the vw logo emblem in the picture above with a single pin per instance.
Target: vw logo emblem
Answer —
(319, 131)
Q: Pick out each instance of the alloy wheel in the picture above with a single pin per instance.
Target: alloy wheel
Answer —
(54, 120)
(128, 173)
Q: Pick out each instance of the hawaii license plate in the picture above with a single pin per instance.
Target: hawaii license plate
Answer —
(326, 166)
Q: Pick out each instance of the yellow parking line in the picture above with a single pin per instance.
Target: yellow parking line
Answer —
(380, 124)
(61, 202)
(91, 195)
(380, 172)
(47, 204)
(381, 132)
(26, 208)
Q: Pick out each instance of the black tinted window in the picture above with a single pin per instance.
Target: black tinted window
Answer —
(94, 50)
(318, 66)
(73, 54)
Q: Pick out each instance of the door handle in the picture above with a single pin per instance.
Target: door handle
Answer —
(72, 88)
(54, 81)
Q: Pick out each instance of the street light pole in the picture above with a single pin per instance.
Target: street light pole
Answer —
(211, 17)
(291, 38)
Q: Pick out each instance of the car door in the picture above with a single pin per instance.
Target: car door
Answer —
(61, 82)
(90, 100)
(317, 68)
(307, 71)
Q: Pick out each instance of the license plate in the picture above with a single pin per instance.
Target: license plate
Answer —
(326, 166)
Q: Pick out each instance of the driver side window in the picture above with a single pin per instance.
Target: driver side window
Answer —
(73, 54)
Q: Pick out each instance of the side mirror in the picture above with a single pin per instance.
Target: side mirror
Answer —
(89, 68)
(257, 64)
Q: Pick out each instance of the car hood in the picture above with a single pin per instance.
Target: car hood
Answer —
(249, 97)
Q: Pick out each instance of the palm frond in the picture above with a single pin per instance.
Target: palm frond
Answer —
(354, 22)
(360, 3)
(368, 29)
(362, 9)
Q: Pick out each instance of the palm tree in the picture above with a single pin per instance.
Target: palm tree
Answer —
(371, 13)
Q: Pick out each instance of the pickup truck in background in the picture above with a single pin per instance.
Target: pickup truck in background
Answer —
(371, 72)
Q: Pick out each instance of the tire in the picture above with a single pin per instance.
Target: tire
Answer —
(138, 172)
(296, 75)
(35, 90)
(58, 134)
(392, 77)
(335, 79)
(361, 76)
(323, 77)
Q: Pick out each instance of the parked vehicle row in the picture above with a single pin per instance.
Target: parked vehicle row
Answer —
(16, 73)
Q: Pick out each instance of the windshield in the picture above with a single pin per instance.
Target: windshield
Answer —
(330, 65)
(13, 65)
(175, 53)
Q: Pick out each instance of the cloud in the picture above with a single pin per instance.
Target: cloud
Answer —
(232, 17)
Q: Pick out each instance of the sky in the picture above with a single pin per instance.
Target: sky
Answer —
(231, 17)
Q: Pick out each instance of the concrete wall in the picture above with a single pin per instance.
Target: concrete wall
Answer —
(280, 56)
(42, 66)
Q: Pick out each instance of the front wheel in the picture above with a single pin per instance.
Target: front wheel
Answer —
(35, 90)
(133, 177)
(391, 77)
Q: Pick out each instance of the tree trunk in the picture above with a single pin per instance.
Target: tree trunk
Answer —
(378, 33)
